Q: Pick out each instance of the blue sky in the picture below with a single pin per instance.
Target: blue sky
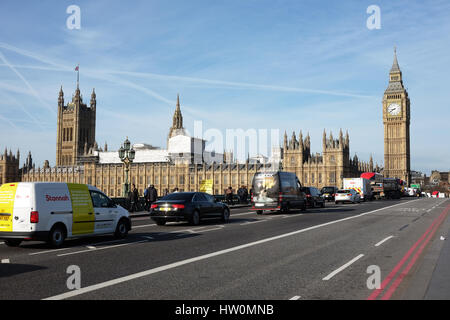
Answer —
(287, 65)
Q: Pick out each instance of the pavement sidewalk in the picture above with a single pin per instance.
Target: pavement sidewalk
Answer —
(439, 287)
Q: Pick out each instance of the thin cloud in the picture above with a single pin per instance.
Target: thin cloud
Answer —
(30, 88)
(230, 84)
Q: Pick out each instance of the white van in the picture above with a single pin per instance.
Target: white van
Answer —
(52, 212)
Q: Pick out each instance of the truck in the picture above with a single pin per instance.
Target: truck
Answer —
(360, 185)
(392, 188)
(376, 183)
(417, 188)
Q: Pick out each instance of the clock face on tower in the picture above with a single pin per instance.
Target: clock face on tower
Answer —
(394, 109)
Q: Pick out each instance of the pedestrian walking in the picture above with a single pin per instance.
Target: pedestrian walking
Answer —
(147, 203)
(245, 195)
(152, 196)
(134, 198)
(240, 194)
(229, 196)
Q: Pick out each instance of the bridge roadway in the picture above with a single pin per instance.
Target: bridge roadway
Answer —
(323, 253)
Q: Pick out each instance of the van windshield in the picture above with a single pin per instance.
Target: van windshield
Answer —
(265, 188)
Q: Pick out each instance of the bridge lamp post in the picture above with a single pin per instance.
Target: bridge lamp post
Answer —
(126, 155)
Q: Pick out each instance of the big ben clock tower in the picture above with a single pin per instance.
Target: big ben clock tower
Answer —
(396, 120)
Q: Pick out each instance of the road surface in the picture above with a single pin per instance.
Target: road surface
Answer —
(341, 251)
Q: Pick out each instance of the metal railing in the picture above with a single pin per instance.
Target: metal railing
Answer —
(141, 205)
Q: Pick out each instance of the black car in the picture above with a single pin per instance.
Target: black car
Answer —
(188, 206)
(313, 197)
(329, 193)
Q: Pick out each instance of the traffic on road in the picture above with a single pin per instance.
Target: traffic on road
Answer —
(246, 250)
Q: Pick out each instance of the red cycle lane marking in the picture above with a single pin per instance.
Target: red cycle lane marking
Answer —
(388, 279)
(397, 281)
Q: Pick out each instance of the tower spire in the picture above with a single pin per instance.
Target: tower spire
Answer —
(61, 97)
(177, 121)
(178, 117)
(395, 66)
(285, 141)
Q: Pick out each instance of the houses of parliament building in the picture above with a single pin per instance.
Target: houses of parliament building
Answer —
(79, 159)
(185, 164)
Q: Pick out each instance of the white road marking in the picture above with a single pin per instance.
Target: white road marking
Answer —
(50, 251)
(2, 242)
(295, 298)
(198, 230)
(383, 241)
(68, 248)
(130, 277)
(143, 226)
(212, 229)
(252, 222)
(335, 272)
(5, 261)
(103, 248)
(241, 214)
(91, 247)
(293, 215)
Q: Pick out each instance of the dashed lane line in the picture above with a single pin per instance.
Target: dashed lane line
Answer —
(383, 241)
(345, 266)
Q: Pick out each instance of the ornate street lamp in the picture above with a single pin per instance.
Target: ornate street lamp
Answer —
(126, 155)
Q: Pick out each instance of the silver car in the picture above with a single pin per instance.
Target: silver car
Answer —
(347, 195)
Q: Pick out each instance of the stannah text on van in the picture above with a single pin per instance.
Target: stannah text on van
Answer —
(53, 212)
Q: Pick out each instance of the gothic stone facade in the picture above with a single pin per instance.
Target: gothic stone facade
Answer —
(76, 162)
(326, 169)
(9, 167)
(76, 128)
(396, 120)
(110, 177)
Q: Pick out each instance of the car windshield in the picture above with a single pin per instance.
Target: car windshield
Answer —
(179, 196)
(328, 190)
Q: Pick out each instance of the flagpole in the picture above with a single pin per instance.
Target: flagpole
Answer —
(78, 76)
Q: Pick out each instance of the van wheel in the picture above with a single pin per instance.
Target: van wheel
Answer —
(121, 230)
(13, 242)
(57, 236)
(259, 212)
